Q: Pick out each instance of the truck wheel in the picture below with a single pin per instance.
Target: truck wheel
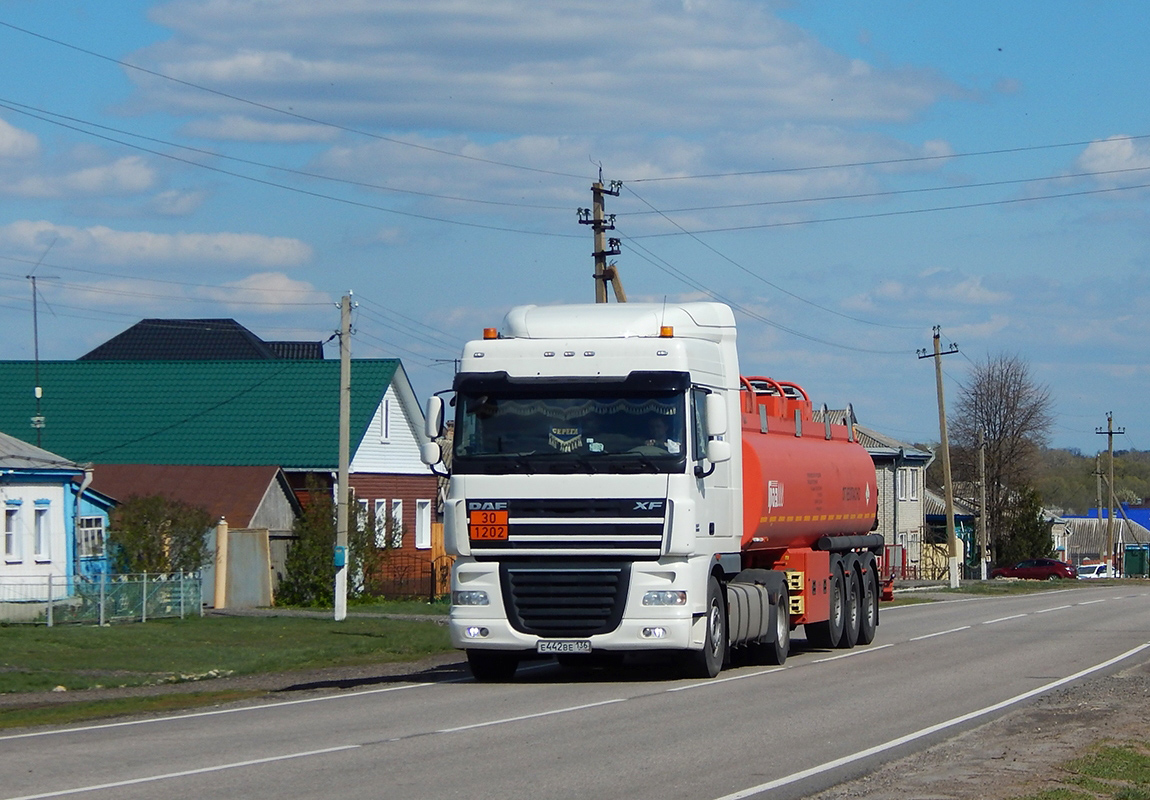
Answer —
(492, 666)
(852, 606)
(868, 620)
(776, 651)
(827, 633)
(708, 662)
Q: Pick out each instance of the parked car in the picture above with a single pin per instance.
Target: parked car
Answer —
(1038, 569)
(1093, 571)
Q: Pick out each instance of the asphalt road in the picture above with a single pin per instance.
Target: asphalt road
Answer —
(643, 732)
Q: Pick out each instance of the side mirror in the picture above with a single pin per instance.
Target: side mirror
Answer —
(434, 418)
(718, 451)
(430, 454)
(716, 415)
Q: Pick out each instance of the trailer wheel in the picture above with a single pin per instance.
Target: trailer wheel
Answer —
(708, 662)
(776, 651)
(852, 605)
(868, 620)
(827, 633)
(492, 666)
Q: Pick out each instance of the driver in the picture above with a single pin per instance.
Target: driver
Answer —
(657, 435)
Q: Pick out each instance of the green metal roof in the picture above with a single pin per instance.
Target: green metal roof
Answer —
(192, 412)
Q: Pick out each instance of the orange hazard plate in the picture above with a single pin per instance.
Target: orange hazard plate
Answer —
(488, 525)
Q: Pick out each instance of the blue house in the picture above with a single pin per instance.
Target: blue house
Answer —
(54, 523)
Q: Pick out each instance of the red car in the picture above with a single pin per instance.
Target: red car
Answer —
(1038, 569)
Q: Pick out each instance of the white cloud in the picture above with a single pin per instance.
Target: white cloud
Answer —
(15, 143)
(125, 176)
(265, 292)
(239, 128)
(1114, 155)
(539, 67)
(103, 245)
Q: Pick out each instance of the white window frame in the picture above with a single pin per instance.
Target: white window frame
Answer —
(90, 536)
(396, 524)
(422, 524)
(12, 538)
(385, 421)
(42, 535)
(381, 524)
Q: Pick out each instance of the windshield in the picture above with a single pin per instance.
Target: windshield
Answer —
(602, 427)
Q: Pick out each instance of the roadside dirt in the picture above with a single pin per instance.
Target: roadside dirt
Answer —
(1018, 754)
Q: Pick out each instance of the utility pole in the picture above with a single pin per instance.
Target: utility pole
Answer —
(1109, 434)
(341, 563)
(38, 391)
(601, 223)
(983, 545)
(951, 539)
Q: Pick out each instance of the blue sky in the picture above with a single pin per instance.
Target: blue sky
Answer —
(847, 174)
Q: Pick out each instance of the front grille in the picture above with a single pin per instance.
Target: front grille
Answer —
(579, 527)
(568, 600)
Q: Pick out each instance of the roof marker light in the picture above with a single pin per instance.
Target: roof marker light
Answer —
(490, 333)
(666, 331)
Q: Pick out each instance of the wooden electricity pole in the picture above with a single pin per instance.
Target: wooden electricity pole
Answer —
(1109, 434)
(601, 223)
(342, 494)
(951, 538)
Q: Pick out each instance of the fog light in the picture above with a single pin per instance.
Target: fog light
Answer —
(471, 598)
(654, 633)
(665, 598)
(476, 632)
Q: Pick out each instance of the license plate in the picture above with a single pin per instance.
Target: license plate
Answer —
(563, 646)
(488, 525)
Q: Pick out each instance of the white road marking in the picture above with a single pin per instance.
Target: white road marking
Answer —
(550, 713)
(717, 681)
(852, 653)
(213, 713)
(1003, 619)
(185, 773)
(1056, 608)
(939, 633)
(795, 777)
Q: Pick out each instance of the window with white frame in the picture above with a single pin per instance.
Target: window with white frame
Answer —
(381, 524)
(41, 534)
(361, 516)
(90, 537)
(423, 524)
(12, 533)
(396, 530)
(908, 481)
(385, 420)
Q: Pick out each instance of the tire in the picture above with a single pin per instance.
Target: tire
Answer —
(868, 619)
(826, 634)
(492, 666)
(852, 606)
(1051, 577)
(708, 662)
(776, 651)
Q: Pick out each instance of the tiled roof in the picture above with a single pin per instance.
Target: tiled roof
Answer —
(234, 493)
(296, 349)
(18, 454)
(283, 412)
(182, 340)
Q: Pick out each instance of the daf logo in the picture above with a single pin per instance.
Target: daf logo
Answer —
(486, 505)
(647, 505)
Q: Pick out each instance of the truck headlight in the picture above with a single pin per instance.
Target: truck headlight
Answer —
(665, 598)
(469, 598)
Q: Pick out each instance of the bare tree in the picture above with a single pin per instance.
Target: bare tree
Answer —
(1013, 411)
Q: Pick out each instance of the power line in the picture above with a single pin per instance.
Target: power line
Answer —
(890, 193)
(884, 162)
(286, 187)
(284, 112)
(904, 212)
(755, 275)
(12, 105)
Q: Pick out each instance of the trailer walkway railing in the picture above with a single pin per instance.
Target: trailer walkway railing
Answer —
(99, 599)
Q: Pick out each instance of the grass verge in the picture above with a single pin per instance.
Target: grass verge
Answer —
(1107, 771)
(36, 658)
